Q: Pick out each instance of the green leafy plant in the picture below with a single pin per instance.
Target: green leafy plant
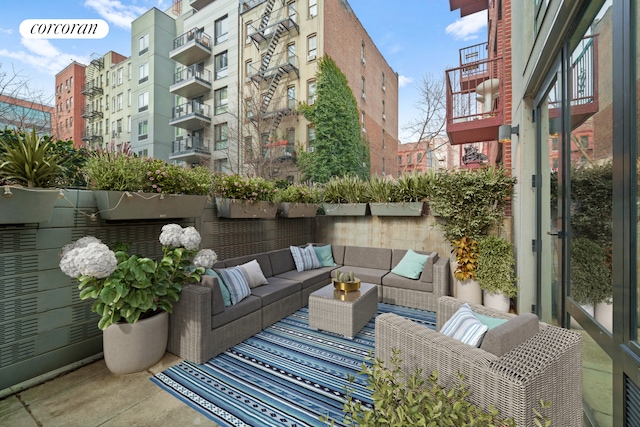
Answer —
(496, 263)
(412, 187)
(346, 189)
(127, 287)
(29, 160)
(399, 400)
(590, 276)
(383, 189)
(299, 193)
(466, 253)
(241, 187)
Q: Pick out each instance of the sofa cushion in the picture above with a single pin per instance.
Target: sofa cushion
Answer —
(359, 256)
(237, 284)
(411, 265)
(217, 301)
(243, 308)
(465, 327)
(338, 253)
(395, 281)
(304, 258)
(368, 275)
(491, 322)
(277, 289)
(309, 277)
(427, 272)
(253, 274)
(509, 335)
(325, 255)
(224, 292)
(262, 258)
(281, 261)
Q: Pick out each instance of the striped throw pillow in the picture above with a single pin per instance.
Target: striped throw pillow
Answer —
(305, 258)
(233, 278)
(465, 327)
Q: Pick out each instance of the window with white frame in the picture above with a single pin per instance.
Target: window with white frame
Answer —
(311, 92)
(291, 54)
(363, 59)
(311, 135)
(221, 140)
(248, 147)
(128, 124)
(221, 101)
(113, 103)
(143, 72)
(120, 73)
(129, 71)
(221, 29)
(362, 88)
(143, 129)
(291, 10)
(248, 30)
(313, 8)
(221, 165)
(221, 62)
(291, 97)
(143, 101)
(248, 69)
(119, 101)
(143, 44)
(384, 87)
(312, 47)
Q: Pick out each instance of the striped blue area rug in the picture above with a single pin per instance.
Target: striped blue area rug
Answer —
(287, 375)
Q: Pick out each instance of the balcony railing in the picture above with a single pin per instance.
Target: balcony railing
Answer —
(191, 81)
(91, 89)
(284, 25)
(191, 149)
(191, 115)
(282, 106)
(91, 113)
(191, 47)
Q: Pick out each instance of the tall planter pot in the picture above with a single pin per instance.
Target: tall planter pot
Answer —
(26, 205)
(498, 302)
(297, 210)
(234, 208)
(397, 209)
(125, 205)
(134, 347)
(345, 209)
(603, 313)
(468, 290)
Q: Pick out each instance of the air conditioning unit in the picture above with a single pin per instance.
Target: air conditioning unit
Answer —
(114, 134)
(364, 130)
(311, 149)
(113, 84)
(364, 61)
(364, 96)
(384, 88)
(384, 117)
(311, 57)
(312, 101)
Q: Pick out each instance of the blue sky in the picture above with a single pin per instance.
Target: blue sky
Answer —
(417, 37)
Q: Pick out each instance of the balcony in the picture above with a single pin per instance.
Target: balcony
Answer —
(474, 100)
(91, 113)
(282, 63)
(191, 82)
(191, 115)
(199, 4)
(191, 47)
(91, 90)
(191, 150)
(91, 138)
(282, 27)
(468, 7)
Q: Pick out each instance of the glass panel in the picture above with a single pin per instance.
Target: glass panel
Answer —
(634, 302)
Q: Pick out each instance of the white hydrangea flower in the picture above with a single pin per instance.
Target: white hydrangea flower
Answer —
(190, 238)
(80, 243)
(170, 235)
(96, 260)
(68, 263)
(205, 258)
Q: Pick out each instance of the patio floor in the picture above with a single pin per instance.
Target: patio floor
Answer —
(92, 396)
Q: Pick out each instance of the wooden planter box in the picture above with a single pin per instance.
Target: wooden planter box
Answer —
(234, 208)
(297, 210)
(345, 209)
(26, 205)
(122, 205)
(397, 209)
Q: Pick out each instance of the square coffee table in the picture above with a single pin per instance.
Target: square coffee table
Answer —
(343, 313)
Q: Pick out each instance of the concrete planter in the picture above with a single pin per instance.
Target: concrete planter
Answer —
(297, 210)
(134, 347)
(234, 208)
(26, 205)
(397, 209)
(468, 290)
(345, 209)
(125, 205)
(603, 313)
(498, 302)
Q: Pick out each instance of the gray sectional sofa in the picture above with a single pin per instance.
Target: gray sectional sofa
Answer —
(202, 327)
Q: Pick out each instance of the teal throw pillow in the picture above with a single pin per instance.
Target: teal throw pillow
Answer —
(411, 265)
(325, 255)
(226, 297)
(490, 322)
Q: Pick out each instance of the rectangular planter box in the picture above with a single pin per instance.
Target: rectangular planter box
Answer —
(233, 208)
(345, 209)
(397, 209)
(121, 205)
(26, 205)
(297, 210)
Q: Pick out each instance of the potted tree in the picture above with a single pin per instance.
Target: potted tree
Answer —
(298, 201)
(128, 187)
(495, 273)
(346, 195)
(239, 196)
(133, 294)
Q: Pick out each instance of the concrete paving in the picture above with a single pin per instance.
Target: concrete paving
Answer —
(92, 396)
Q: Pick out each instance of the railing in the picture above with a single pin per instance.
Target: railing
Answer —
(197, 71)
(288, 23)
(197, 35)
(191, 108)
(470, 56)
(281, 105)
(191, 144)
(285, 61)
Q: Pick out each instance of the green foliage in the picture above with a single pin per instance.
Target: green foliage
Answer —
(466, 252)
(591, 203)
(73, 160)
(496, 264)
(411, 401)
(339, 146)
(345, 277)
(383, 189)
(346, 189)
(244, 188)
(590, 277)
(28, 159)
(299, 193)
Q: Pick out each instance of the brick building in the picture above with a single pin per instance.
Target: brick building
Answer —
(69, 102)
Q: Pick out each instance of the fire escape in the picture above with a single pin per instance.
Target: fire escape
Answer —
(267, 75)
(92, 110)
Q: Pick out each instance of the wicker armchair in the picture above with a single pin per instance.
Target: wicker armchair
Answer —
(547, 366)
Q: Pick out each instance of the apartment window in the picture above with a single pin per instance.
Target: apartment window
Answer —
(384, 87)
(311, 135)
(129, 124)
(291, 141)
(220, 136)
(143, 73)
(248, 69)
(409, 159)
(313, 8)
(129, 71)
(362, 57)
(291, 54)
(119, 102)
(221, 101)
(249, 107)
(143, 153)
(143, 44)
(222, 65)
(362, 88)
(120, 72)
(419, 157)
(113, 104)
(143, 130)
(312, 49)
(584, 141)
(66, 102)
(106, 126)
(143, 101)
(248, 147)
(71, 121)
(71, 102)
(248, 30)
(129, 98)
(66, 123)
(221, 165)
(311, 92)
(291, 10)
(362, 120)
(384, 115)
(106, 102)
(221, 29)
(399, 160)
(291, 97)
(554, 143)
(113, 78)
(113, 129)
(71, 81)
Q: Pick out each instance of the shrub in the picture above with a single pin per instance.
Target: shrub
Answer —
(590, 276)
(496, 264)
(244, 188)
(346, 189)
(299, 193)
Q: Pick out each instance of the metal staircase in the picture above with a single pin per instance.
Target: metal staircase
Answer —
(91, 89)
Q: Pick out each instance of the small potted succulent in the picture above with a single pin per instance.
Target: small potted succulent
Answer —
(298, 201)
(134, 294)
(345, 282)
(240, 196)
(130, 187)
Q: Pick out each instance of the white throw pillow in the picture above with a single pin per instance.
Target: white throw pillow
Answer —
(253, 273)
(465, 326)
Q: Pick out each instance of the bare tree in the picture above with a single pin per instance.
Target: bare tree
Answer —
(19, 100)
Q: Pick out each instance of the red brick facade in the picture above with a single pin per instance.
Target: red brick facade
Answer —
(69, 101)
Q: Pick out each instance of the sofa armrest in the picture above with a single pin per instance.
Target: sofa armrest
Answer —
(441, 275)
(447, 306)
(190, 323)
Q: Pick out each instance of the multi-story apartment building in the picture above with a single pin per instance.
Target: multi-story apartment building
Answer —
(69, 102)
(25, 115)
(420, 156)
(281, 44)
